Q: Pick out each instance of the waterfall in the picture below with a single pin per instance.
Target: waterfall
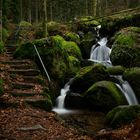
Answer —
(100, 53)
(60, 106)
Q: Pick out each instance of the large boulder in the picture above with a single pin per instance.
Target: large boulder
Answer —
(126, 50)
(88, 40)
(132, 75)
(104, 95)
(122, 115)
(87, 77)
(74, 101)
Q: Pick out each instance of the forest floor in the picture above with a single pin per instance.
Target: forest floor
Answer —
(21, 122)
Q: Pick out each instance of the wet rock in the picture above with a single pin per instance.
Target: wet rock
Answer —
(103, 96)
(74, 101)
(122, 115)
(126, 50)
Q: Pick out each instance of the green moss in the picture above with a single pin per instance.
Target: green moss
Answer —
(125, 49)
(128, 40)
(104, 95)
(71, 36)
(1, 87)
(1, 47)
(25, 24)
(5, 34)
(122, 115)
(74, 65)
(115, 70)
(87, 76)
(71, 48)
(132, 75)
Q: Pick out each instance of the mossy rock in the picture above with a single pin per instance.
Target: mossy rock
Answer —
(104, 95)
(132, 75)
(74, 65)
(115, 70)
(55, 28)
(126, 50)
(25, 24)
(85, 24)
(88, 40)
(71, 36)
(122, 19)
(72, 49)
(122, 115)
(1, 87)
(87, 76)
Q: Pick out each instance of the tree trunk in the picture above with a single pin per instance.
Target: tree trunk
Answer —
(36, 11)
(45, 18)
(30, 12)
(21, 14)
(95, 8)
(86, 7)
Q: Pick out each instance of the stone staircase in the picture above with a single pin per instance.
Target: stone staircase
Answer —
(25, 83)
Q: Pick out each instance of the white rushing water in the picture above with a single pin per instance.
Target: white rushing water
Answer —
(60, 108)
(100, 53)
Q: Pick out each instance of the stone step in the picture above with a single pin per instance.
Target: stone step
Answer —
(11, 62)
(23, 93)
(33, 79)
(28, 72)
(21, 85)
(22, 66)
(39, 102)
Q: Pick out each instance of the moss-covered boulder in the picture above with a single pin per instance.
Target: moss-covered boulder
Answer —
(71, 36)
(87, 77)
(84, 24)
(55, 28)
(104, 95)
(126, 50)
(115, 70)
(88, 40)
(122, 115)
(132, 75)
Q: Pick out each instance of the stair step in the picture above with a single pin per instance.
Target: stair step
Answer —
(28, 72)
(15, 62)
(33, 79)
(20, 85)
(23, 93)
(22, 66)
(40, 102)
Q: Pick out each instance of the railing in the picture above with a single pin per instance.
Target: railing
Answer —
(42, 63)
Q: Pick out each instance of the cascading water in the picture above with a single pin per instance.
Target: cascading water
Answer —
(60, 108)
(100, 53)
